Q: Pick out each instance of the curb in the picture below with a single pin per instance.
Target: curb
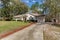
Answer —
(11, 32)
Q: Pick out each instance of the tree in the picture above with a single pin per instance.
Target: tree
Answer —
(20, 8)
(53, 7)
(5, 10)
(11, 8)
(36, 8)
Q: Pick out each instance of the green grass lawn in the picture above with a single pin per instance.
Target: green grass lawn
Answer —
(6, 26)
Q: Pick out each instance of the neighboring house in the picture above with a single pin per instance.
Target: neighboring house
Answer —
(30, 16)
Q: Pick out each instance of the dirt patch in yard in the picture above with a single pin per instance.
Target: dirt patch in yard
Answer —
(51, 33)
(55, 28)
(48, 36)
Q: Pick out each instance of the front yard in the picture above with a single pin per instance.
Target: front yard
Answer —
(6, 26)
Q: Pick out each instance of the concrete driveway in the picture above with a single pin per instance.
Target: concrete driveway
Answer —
(34, 32)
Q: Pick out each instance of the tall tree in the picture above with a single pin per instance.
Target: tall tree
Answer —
(6, 9)
(11, 7)
(36, 7)
(53, 7)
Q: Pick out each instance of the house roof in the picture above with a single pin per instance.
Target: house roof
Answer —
(23, 15)
(18, 16)
(34, 14)
(37, 14)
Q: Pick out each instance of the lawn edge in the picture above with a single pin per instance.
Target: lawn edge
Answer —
(11, 32)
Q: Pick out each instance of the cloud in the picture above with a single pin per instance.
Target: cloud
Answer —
(34, 1)
(27, 1)
(0, 2)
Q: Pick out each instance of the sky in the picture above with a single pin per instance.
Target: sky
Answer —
(30, 2)
(1, 4)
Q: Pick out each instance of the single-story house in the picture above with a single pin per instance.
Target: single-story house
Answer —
(30, 16)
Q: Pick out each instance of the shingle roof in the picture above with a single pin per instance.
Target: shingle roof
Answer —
(34, 14)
